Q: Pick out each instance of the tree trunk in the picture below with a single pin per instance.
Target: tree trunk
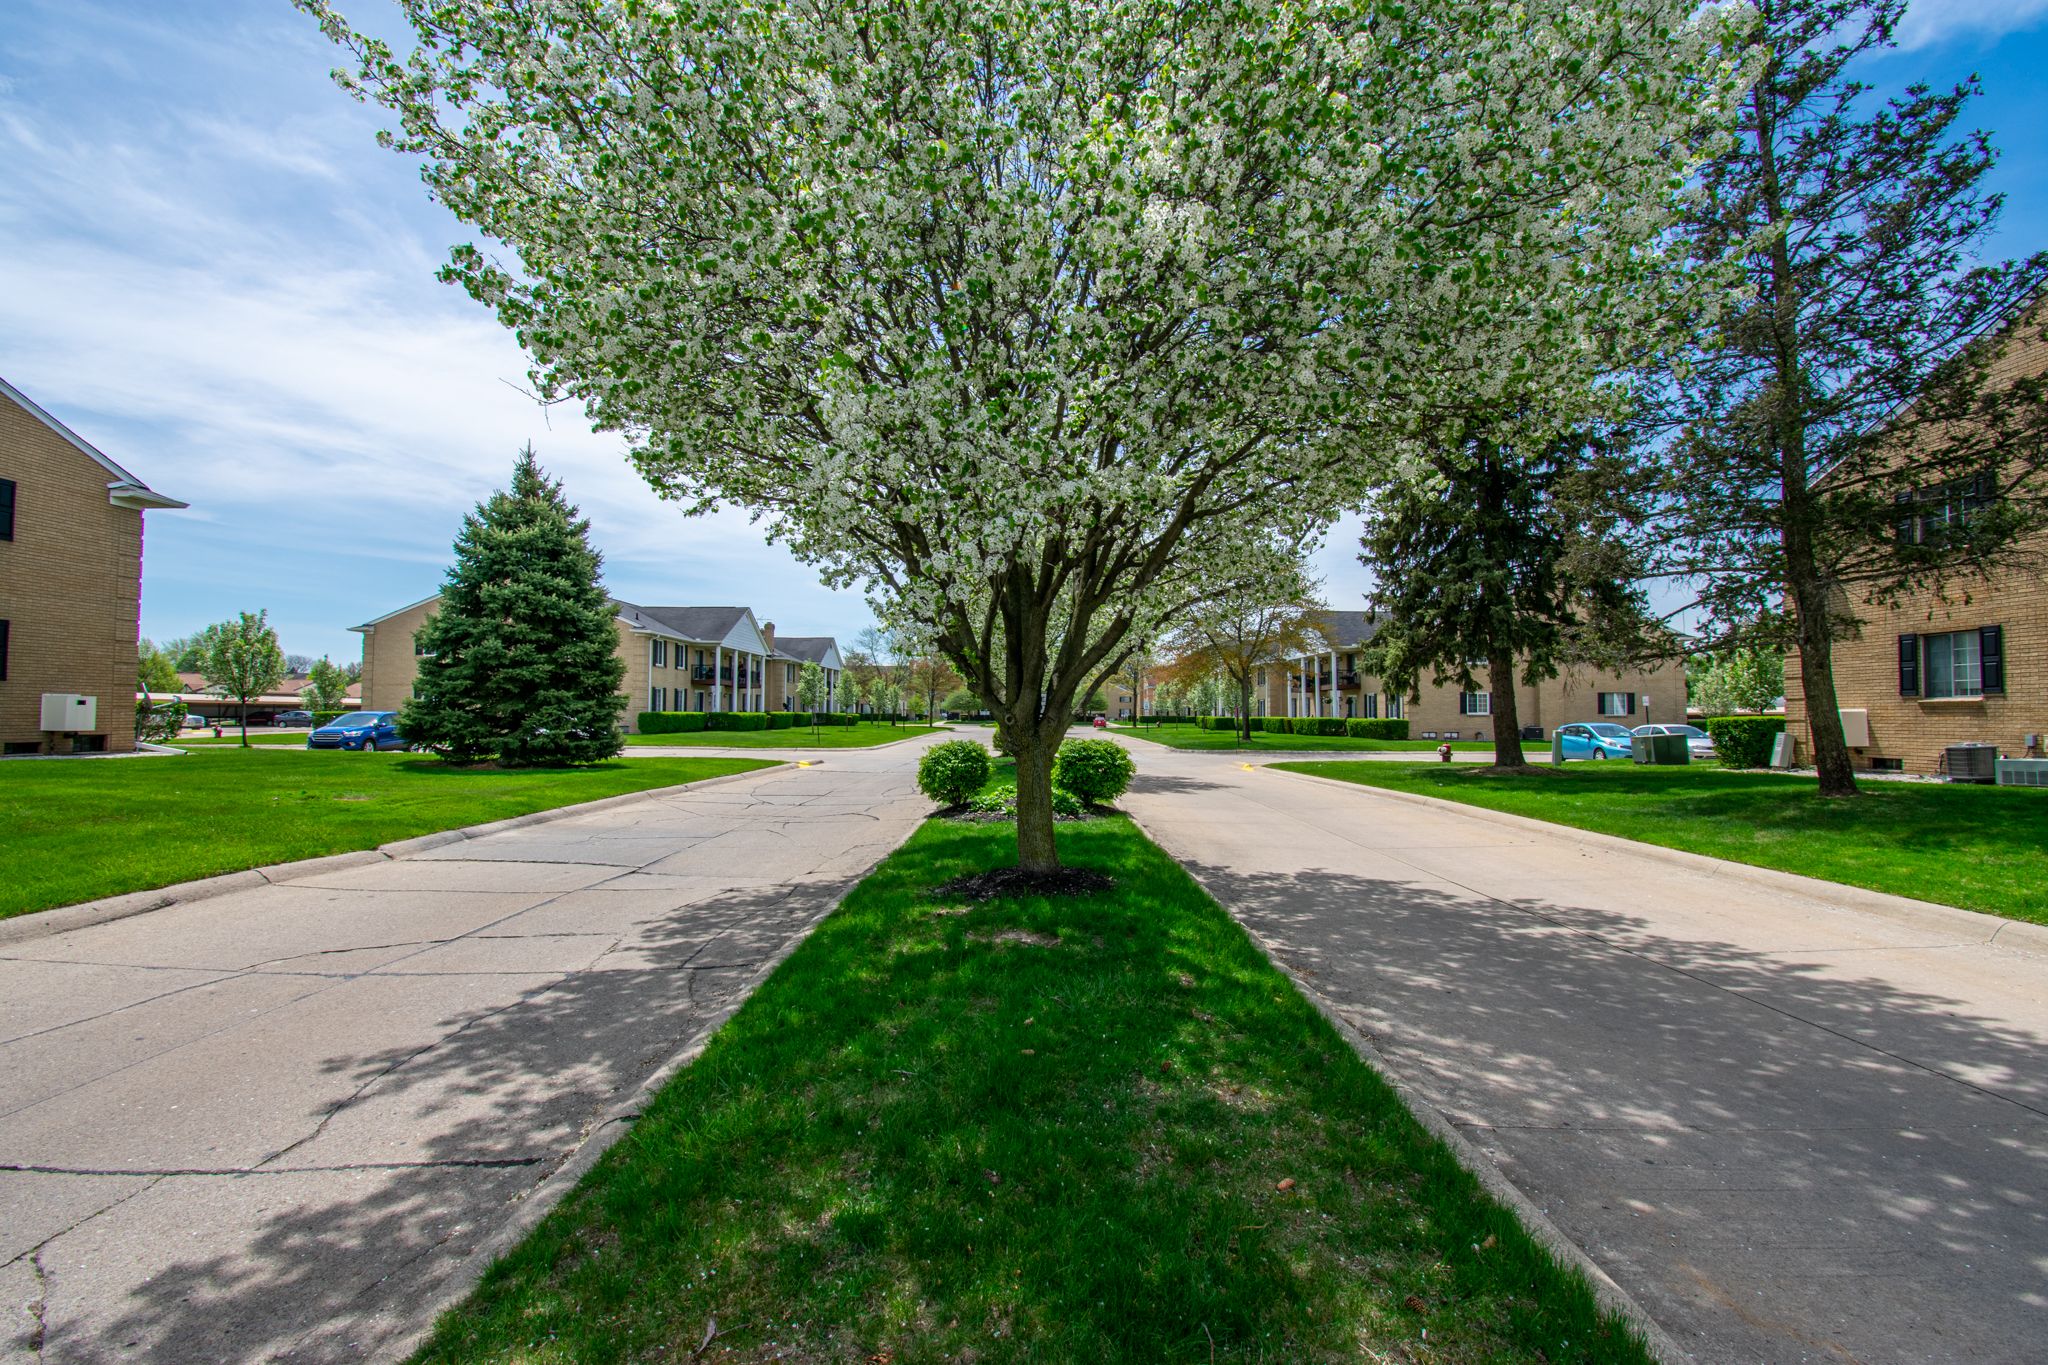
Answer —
(1507, 719)
(1817, 680)
(1033, 750)
(245, 722)
(1244, 712)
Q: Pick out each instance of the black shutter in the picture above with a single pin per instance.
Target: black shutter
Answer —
(1991, 658)
(1631, 701)
(1902, 523)
(6, 509)
(1909, 665)
(3, 651)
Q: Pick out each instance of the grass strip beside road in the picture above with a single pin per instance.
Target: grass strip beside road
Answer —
(862, 736)
(77, 831)
(1188, 737)
(1980, 848)
(1100, 1129)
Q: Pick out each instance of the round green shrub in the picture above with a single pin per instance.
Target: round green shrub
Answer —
(1096, 770)
(952, 772)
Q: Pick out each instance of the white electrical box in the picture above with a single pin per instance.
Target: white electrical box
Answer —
(69, 711)
(1856, 728)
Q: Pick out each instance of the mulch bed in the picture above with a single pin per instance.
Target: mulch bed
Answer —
(1015, 881)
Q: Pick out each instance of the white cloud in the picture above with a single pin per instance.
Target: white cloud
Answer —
(1936, 21)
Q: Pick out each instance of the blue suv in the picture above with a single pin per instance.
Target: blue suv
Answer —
(365, 730)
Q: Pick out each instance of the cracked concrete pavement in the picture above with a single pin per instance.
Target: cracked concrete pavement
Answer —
(1791, 1129)
(270, 1125)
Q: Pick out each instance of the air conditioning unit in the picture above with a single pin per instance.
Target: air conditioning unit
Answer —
(1971, 763)
(70, 711)
(2023, 772)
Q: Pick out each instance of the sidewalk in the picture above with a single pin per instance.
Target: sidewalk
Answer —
(275, 1123)
(1790, 1129)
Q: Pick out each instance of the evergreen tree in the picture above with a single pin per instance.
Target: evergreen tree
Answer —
(1852, 383)
(1507, 555)
(521, 660)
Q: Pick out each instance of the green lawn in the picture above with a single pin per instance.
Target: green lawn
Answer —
(1028, 1131)
(1188, 737)
(861, 736)
(1982, 848)
(78, 831)
(196, 739)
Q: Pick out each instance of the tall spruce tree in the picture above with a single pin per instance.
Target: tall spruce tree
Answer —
(1851, 388)
(1510, 555)
(520, 663)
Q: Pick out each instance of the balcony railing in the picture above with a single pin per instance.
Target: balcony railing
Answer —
(701, 673)
(1347, 680)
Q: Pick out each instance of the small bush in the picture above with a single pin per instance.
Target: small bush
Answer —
(1376, 729)
(1744, 741)
(1096, 770)
(670, 722)
(951, 773)
(736, 720)
(158, 724)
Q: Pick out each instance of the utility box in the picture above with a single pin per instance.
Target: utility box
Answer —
(70, 711)
(1784, 750)
(2023, 772)
(1662, 750)
(1856, 728)
(1971, 763)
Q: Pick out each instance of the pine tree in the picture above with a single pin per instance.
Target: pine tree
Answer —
(520, 663)
(1511, 558)
(1854, 380)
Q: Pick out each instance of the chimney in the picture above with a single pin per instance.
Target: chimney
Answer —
(768, 633)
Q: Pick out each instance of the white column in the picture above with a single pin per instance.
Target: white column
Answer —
(718, 677)
(1333, 682)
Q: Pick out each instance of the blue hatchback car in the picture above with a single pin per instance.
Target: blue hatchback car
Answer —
(365, 730)
(1597, 739)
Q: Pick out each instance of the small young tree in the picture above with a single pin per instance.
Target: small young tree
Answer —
(1265, 616)
(240, 659)
(521, 660)
(811, 693)
(326, 686)
(1738, 680)
(154, 670)
(1849, 386)
(1503, 551)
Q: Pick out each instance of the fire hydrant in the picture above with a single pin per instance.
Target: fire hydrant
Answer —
(1443, 752)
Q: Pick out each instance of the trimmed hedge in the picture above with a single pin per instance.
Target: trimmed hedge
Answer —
(1277, 725)
(781, 720)
(1096, 770)
(670, 722)
(1744, 741)
(736, 720)
(1330, 725)
(1376, 729)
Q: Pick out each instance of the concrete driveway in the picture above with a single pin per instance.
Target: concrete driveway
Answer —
(1792, 1130)
(273, 1124)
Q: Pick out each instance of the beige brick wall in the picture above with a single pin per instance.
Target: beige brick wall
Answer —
(1572, 696)
(70, 585)
(390, 664)
(1914, 731)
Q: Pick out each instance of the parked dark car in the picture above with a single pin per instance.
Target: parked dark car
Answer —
(291, 719)
(364, 730)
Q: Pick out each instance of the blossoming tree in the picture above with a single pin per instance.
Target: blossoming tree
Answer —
(1012, 311)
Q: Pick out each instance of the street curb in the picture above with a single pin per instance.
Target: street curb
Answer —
(1663, 1347)
(1974, 925)
(65, 918)
(537, 1203)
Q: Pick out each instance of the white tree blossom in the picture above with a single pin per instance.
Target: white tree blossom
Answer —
(1015, 309)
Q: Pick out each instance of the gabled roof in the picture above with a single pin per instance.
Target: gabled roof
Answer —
(821, 650)
(124, 489)
(378, 620)
(732, 627)
(1346, 629)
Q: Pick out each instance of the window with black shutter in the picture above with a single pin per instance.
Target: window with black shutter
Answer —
(1909, 665)
(6, 509)
(1991, 658)
(1904, 523)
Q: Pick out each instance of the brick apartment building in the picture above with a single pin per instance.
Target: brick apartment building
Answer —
(677, 659)
(70, 583)
(1332, 682)
(1970, 667)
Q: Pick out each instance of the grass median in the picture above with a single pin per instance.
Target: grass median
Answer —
(77, 831)
(1188, 737)
(1980, 848)
(1098, 1129)
(862, 736)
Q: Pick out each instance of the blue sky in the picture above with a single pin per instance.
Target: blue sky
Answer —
(209, 269)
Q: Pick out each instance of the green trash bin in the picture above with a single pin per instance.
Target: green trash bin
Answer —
(1661, 749)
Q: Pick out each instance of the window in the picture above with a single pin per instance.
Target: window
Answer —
(1475, 703)
(1887, 765)
(1371, 704)
(1927, 516)
(1394, 706)
(1964, 663)
(420, 651)
(1617, 703)
(1262, 677)
(659, 655)
(655, 697)
(6, 509)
